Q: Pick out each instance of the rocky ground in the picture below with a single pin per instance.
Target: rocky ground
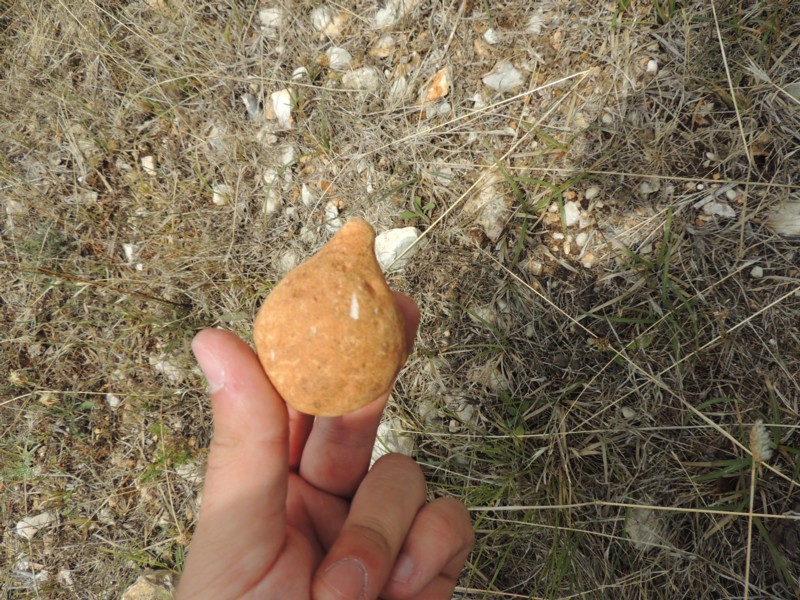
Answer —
(604, 208)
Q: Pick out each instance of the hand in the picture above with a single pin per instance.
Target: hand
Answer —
(290, 509)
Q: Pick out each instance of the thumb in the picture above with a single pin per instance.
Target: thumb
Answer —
(242, 522)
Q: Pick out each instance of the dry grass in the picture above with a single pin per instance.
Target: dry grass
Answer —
(596, 420)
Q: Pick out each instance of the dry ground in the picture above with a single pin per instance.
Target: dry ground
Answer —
(590, 397)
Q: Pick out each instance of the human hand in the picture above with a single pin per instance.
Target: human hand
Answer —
(291, 509)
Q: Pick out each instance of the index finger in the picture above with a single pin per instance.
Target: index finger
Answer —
(338, 450)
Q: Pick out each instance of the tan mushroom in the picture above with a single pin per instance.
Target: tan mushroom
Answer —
(329, 335)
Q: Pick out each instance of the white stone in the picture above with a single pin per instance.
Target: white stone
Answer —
(442, 108)
(483, 315)
(572, 213)
(307, 197)
(282, 107)
(365, 79)
(190, 471)
(581, 239)
(252, 106)
(785, 219)
(221, 194)
(491, 207)
(490, 36)
(287, 155)
(535, 24)
(29, 526)
(757, 272)
(152, 585)
(271, 20)
(321, 17)
(273, 201)
(732, 194)
(393, 11)
(129, 250)
(644, 529)
(299, 73)
(504, 77)
(391, 244)
(628, 412)
(113, 401)
(339, 59)
(149, 165)
(383, 46)
(333, 222)
(288, 261)
(14, 207)
(588, 260)
(392, 439)
(398, 91)
(649, 187)
(719, 209)
(165, 365)
(591, 192)
(652, 66)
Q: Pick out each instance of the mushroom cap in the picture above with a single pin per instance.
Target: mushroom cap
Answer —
(330, 336)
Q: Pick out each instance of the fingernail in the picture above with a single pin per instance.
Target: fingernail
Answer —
(347, 579)
(212, 367)
(403, 569)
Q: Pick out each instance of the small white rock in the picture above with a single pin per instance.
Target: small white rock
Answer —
(757, 272)
(719, 209)
(288, 261)
(149, 165)
(535, 23)
(113, 401)
(628, 412)
(287, 155)
(442, 108)
(383, 46)
(785, 219)
(129, 250)
(732, 194)
(588, 260)
(333, 222)
(14, 207)
(392, 439)
(339, 59)
(365, 79)
(652, 66)
(391, 244)
(307, 197)
(591, 192)
(190, 471)
(504, 77)
(649, 187)
(581, 239)
(299, 73)
(167, 367)
(572, 213)
(221, 194)
(282, 107)
(321, 17)
(271, 18)
(252, 106)
(491, 36)
(29, 526)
